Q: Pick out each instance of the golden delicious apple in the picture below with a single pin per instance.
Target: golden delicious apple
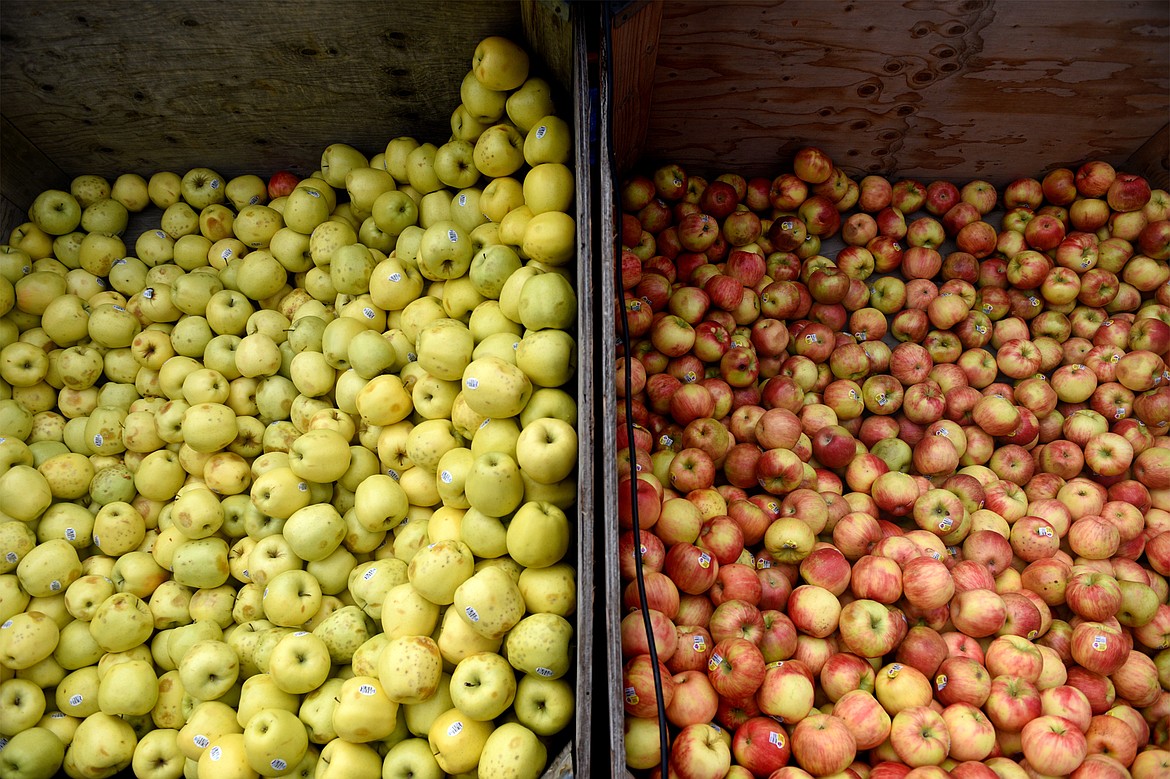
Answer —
(539, 645)
(291, 598)
(437, 571)
(51, 566)
(32, 753)
(26, 639)
(547, 300)
(342, 759)
(412, 759)
(457, 740)
(380, 503)
(299, 662)
(493, 485)
(444, 348)
(206, 723)
(483, 105)
(129, 688)
(491, 602)
(274, 740)
(494, 388)
(530, 103)
(364, 712)
(157, 755)
(513, 750)
(407, 613)
(549, 186)
(483, 686)
(369, 583)
(550, 238)
(501, 195)
(549, 140)
(121, 622)
(499, 151)
(384, 401)
(499, 63)
(317, 708)
(410, 668)
(201, 562)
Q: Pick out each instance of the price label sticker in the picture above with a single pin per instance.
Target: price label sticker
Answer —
(940, 682)
(472, 614)
(704, 560)
(631, 696)
(201, 741)
(455, 729)
(716, 659)
(699, 644)
(545, 672)
(776, 739)
(216, 752)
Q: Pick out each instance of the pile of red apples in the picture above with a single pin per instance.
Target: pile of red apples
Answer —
(899, 460)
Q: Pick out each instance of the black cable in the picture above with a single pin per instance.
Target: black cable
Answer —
(663, 723)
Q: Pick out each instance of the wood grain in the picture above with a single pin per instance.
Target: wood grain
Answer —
(607, 216)
(633, 58)
(958, 89)
(24, 174)
(105, 87)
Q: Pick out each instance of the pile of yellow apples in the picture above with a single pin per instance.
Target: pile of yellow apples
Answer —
(287, 482)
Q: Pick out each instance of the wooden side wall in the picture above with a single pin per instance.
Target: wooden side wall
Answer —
(108, 87)
(956, 89)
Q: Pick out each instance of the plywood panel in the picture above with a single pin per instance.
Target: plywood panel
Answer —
(110, 87)
(958, 88)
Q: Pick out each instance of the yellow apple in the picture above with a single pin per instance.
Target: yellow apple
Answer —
(551, 238)
(499, 63)
(530, 103)
(499, 151)
(491, 602)
(457, 740)
(549, 186)
(32, 753)
(364, 713)
(513, 750)
(102, 745)
(410, 668)
(407, 613)
(274, 740)
(501, 195)
(437, 571)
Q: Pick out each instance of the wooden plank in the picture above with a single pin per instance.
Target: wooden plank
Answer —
(976, 89)
(634, 53)
(11, 216)
(1152, 160)
(253, 88)
(587, 454)
(24, 174)
(548, 27)
(611, 585)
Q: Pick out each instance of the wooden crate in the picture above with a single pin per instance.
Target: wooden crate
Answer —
(108, 87)
(953, 89)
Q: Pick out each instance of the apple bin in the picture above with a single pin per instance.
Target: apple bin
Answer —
(105, 89)
(760, 94)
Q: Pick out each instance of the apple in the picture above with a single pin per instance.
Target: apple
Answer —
(1054, 743)
(823, 744)
(699, 751)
